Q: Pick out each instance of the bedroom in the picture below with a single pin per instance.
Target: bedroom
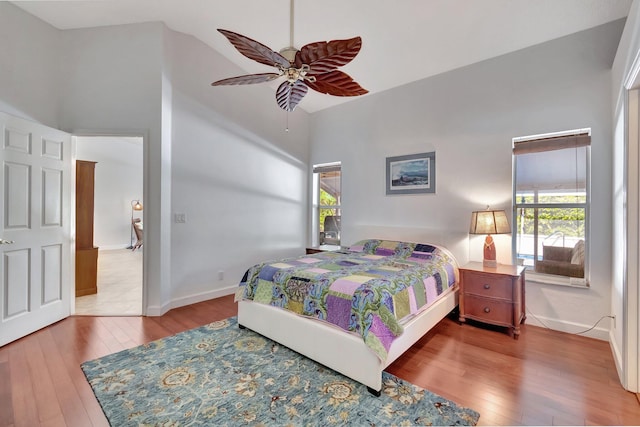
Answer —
(468, 116)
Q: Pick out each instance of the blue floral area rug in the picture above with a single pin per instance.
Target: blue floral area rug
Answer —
(221, 375)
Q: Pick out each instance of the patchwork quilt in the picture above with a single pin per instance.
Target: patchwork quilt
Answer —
(368, 290)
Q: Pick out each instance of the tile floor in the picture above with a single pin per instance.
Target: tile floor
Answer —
(119, 285)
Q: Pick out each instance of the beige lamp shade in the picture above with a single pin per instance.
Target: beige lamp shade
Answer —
(137, 206)
(489, 222)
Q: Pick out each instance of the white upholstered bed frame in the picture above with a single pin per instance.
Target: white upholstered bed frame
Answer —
(345, 352)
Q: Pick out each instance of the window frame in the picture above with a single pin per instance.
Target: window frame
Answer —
(317, 207)
(544, 139)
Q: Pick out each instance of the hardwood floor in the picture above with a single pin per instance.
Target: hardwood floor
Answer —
(543, 378)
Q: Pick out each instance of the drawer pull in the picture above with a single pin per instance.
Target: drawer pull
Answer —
(487, 286)
(487, 309)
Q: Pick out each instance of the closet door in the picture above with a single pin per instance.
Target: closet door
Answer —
(35, 227)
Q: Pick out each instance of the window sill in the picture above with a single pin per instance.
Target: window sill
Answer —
(551, 279)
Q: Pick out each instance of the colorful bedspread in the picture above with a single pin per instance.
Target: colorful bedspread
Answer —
(368, 290)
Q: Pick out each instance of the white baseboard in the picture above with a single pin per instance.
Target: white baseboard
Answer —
(617, 358)
(190, 299)
(569, 327)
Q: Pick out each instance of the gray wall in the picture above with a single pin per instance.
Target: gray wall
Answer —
(29, 71)
(625, 295)
(469, 117)
(239, 177)
(147, 80)
(111, 82)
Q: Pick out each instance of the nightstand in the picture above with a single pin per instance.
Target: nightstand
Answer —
(322, 248)
(493, 295)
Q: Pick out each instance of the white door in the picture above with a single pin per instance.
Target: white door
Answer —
(35, 206)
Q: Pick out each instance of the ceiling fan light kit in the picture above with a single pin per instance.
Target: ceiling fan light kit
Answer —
(314, 66)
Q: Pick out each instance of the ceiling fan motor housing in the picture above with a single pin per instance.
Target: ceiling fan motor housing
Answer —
(289, 53)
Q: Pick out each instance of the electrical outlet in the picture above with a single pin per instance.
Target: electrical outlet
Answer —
(221, 275)
(180, 218)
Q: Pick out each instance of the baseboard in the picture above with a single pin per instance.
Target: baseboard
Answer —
(190, 299)
(568, 327)
(617, 358)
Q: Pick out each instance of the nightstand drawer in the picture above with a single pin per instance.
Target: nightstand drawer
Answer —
(489, 310)
(493, 295)
(487, 285)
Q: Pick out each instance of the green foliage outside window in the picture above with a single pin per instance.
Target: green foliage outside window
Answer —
(326, 199)
(568, 221)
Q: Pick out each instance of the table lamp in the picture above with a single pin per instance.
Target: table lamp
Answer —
(489, 222)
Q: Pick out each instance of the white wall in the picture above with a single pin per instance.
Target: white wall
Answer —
(29, 73)
(625, 295)
(118, 181)
(111, 81)
(469, 117)
(217, 155)
(151, 78)
(237, 175)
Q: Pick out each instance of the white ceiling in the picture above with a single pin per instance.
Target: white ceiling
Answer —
(403, 40)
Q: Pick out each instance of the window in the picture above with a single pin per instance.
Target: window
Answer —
(551, 201)
(328, 197)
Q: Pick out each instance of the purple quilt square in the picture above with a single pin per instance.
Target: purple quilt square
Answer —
(431, 288)
(384, 251)
(346, 287)
(267, 272)
(338, 311)
(380, 330)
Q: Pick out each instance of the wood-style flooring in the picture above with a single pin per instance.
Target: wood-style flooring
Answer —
(543, 378)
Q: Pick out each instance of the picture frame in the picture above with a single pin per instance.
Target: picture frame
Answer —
(411, 174)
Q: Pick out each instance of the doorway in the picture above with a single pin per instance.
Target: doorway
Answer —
(118, 204)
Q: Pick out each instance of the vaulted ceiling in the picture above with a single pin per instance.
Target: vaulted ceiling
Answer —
(403, 41)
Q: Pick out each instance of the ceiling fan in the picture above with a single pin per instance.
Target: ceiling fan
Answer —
(314, 66)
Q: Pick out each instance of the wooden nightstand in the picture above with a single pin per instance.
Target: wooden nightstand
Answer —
(322, 248)
(493, 295)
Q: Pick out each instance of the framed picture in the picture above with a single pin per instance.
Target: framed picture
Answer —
(410, 174)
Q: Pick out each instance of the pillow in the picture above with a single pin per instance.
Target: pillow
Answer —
(404, 249)
(577, 254)
(393, 248)
(358, 246)
(386, 248)
(423, 251)
(367, 246)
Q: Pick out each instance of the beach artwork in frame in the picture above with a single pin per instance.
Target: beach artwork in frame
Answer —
(411, 174)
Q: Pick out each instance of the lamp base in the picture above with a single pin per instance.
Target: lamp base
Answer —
(489, 263)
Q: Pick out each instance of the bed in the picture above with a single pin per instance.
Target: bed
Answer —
(355, 310)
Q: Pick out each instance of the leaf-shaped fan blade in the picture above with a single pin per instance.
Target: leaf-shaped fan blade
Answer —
(247, 80)
(255, 50)
(323, 57)
(289, 95)
(336, 83)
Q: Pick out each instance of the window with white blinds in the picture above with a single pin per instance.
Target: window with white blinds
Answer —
(551, 206)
